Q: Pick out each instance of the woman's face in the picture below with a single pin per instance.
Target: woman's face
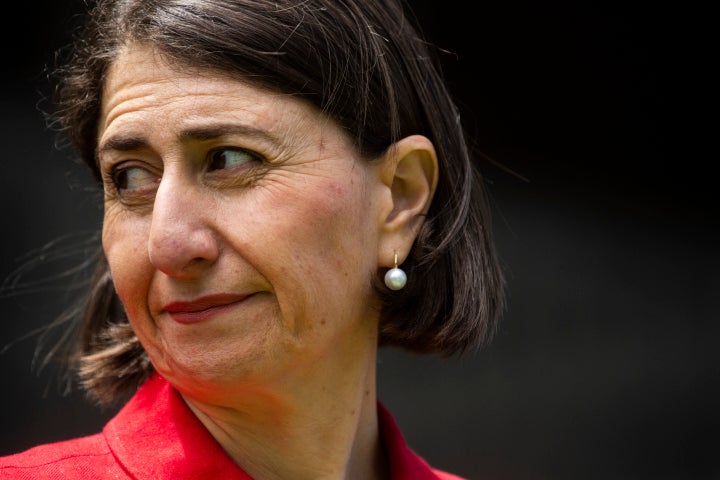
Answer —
(241, 227)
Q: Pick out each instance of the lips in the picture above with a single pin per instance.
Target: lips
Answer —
(203, 308)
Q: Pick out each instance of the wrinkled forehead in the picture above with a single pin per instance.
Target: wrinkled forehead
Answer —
(146, 90)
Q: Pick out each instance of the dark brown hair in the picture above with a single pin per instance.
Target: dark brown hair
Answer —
(362, 62)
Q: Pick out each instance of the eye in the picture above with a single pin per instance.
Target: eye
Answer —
(227, 158)
(129, 178)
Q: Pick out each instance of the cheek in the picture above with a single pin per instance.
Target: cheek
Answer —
(125, 247)
(327, 230)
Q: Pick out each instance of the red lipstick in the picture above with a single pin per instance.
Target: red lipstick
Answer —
(203, 308)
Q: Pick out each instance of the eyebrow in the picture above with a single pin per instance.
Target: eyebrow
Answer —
(128, 143)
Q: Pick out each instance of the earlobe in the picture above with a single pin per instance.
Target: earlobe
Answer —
(411, 172)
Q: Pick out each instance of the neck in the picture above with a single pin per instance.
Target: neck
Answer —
(304, 430)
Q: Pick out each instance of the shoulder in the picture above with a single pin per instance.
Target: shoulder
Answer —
(80, 458)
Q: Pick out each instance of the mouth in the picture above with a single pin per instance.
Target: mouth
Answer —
(203, 308)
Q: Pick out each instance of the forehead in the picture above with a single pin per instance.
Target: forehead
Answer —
(144, 90)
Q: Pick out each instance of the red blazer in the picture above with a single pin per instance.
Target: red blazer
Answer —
(157, 437)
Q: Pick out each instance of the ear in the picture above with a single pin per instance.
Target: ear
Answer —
(410, 171)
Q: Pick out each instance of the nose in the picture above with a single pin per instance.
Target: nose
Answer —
(182, 241)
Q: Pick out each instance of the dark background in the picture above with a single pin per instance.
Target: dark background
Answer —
(592, 117)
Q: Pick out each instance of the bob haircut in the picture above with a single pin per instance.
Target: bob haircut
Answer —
(365, 64)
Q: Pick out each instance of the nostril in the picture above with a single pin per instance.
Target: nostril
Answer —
(182, 253)
(182, 237)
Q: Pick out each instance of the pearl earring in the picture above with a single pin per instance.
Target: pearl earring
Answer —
(395, 278)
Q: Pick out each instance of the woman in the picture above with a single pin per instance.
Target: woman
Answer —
(287, 189)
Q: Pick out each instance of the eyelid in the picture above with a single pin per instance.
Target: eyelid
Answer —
(236, 148)
(128, 164)
(110, 161)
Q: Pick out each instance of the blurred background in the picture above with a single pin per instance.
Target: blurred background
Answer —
(605, 364)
